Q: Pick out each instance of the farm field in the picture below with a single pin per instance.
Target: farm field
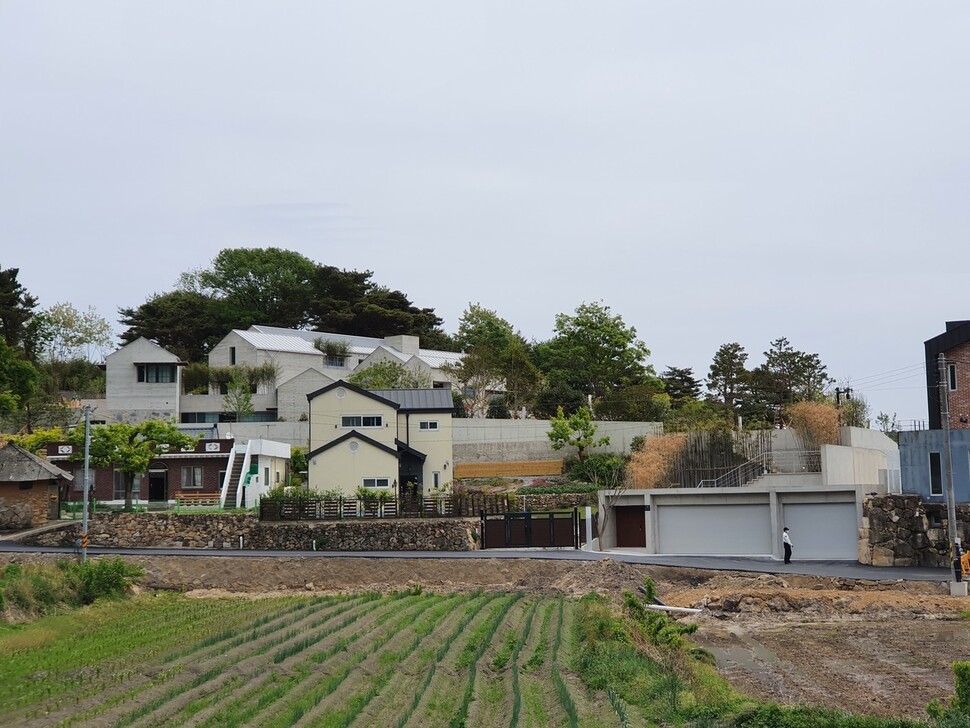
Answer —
(407, 659)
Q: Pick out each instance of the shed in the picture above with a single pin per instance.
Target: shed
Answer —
(29, 488)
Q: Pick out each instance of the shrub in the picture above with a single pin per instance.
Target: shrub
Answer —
(102, 578)
(603, 469)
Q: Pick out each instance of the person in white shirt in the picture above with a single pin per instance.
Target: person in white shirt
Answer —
(786, 540)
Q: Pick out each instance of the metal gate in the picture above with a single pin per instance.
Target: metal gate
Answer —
(532, 529)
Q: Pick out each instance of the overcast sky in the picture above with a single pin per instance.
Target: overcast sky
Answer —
(713, 171)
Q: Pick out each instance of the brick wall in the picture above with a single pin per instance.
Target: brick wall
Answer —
(959, 399)
(22, 508)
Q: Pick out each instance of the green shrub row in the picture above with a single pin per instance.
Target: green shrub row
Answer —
(38, 589)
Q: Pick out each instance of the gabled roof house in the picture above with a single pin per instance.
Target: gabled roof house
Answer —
(397, 440)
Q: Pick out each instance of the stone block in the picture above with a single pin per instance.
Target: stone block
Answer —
(882, 556)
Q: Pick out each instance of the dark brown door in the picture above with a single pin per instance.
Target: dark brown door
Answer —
(631, 527)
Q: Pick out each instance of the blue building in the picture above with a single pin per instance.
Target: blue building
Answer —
(921, 464)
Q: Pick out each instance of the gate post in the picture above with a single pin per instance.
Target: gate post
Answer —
(482, 528)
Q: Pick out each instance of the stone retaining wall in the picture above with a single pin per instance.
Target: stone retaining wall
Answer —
(554, 502)
(897, 531)
(217, 531)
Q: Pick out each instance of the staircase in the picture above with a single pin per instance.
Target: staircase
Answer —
(235, 476)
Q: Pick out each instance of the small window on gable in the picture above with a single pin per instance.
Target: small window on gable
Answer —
(362, 421)
(232, 356)
(428, 425)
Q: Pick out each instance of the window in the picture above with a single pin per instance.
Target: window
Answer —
(156, 373)
(951, 371)
(428, 425)
(436, 479)
(191, 476)
(936, 474)
(119, 489)
(377, 482)
(362, 421)
(334, 361)
(232, 356)
(78, 484)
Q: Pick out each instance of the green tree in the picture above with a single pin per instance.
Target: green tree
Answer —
(238, 400)
(594, 351)
(268, 286)
(16, 310)
(681, 385)
(788, 376)
(553, 395)
(496, 361)
(636, 403)
(389, 375)
(576, 430)
(728, 378)
(19, 381)
(187, 323)
(65, 333)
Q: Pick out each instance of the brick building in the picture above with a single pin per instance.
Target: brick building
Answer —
(29, 488)
(954, 344)
(202, 470)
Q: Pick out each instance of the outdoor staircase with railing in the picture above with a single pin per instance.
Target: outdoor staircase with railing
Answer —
(788, 462)
(233, 480)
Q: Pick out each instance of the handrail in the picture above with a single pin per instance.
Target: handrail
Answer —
(785, 462)
(743, 473)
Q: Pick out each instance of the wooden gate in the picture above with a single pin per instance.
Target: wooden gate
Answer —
(531, 529)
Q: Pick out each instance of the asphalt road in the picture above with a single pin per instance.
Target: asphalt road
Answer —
(838, 569)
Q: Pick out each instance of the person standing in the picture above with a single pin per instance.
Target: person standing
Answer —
(786, 540)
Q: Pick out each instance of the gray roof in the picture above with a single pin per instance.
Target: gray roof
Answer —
(423, 400)
(20, 466)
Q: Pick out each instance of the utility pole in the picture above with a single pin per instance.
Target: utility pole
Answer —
(956, 571)
(87, 483)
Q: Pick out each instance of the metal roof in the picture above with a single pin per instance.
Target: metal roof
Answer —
(299, 341)
(422, 400)
(20, 466)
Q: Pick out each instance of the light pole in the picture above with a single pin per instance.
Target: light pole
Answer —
(87, 483)
(951, 509)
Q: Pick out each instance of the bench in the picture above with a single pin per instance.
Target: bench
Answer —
(198, 500)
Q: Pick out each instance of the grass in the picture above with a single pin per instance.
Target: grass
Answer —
(409, 658)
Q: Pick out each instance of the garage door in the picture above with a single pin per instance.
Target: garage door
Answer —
(822, 530)
(727, 530)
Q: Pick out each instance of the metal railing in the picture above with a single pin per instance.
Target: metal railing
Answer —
(784, 462)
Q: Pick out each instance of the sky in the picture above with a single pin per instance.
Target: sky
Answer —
(714, 172)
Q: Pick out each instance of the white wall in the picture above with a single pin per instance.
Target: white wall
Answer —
(507, 440)
(133, 401)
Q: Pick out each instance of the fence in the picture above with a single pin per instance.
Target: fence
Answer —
(533, 530)
(332, 509)
(785, 462)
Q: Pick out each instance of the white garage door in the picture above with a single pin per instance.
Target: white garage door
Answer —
(727, 530)
(822, 530)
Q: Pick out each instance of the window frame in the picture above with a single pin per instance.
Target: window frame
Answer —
(933, 467)
(429, 428)
(951, 377)
(152, 373)
(375, 484)
(196, 471)
(347, 422)
(118, 486)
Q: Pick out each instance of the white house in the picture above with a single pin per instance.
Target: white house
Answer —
(143, 382)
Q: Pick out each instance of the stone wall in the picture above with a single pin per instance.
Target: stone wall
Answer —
(217, 531)
(554, 502)
(902, 530)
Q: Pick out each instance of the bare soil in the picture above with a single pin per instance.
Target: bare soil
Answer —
(875, 647)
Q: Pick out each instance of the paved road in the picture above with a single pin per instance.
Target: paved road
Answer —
(843, 569)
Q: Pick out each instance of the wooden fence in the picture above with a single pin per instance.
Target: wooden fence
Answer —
(508, 469)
